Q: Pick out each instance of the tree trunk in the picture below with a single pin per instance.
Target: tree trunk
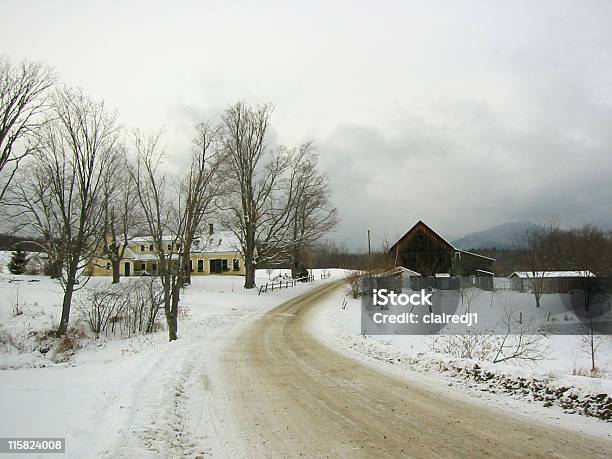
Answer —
(116, 270)
(294, 269)
(186, 265)
(63, 325)
(172, 316)
(249, 278)
(172, 321)
(295, 263)
(187, 275)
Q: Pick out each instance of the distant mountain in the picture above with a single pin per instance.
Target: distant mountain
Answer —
(500, 236)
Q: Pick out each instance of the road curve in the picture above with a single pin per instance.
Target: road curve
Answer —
(291, 396)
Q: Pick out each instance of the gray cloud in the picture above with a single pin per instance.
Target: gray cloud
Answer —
(465, 114)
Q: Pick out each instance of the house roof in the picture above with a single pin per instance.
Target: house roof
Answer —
(217, 242)
(448, 244)
(551, 274)
(144, 256)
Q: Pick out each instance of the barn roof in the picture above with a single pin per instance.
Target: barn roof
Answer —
(420, 223)
(411, 230)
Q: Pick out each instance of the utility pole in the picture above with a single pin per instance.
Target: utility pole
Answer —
(369, 253)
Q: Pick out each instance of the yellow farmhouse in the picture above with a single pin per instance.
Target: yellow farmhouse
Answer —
(214, 253)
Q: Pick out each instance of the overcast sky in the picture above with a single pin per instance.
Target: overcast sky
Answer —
(465, 114)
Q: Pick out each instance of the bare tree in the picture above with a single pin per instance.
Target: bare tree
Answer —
(164, 220)
(200, 187)
(61, 196)
(23, 99)
(469, 294)
(313, 215)
(257, 207)
(119, 213)
(534, 258)
(590, 341)
(520, 339)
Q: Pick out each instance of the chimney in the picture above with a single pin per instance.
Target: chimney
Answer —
(211, 229)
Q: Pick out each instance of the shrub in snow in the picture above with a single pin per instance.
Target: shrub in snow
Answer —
(122, 310)
(19, 262)
(472, 345)
(68, 344)
(354, 279)
(17, 304)
(35, 265)
(13, 339)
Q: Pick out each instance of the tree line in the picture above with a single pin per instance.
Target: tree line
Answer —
(73, 178)
(547, 247)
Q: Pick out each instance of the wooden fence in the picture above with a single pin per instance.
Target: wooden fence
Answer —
(284, 283)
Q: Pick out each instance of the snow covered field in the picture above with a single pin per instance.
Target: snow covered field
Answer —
(136, 397)
(145, 397)
(413, 357)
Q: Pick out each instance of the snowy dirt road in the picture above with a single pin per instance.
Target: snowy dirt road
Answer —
(277, 391)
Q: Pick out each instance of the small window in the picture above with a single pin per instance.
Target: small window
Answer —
(143, 267)
(224, 265)
(169, 246)
(142, 248)
(178, 246)
(154, 267)
(151, 248)
(236, 264)
(108, 266)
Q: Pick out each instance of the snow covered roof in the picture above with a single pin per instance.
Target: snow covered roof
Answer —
(400, 270)
(551, 274)
(219, 241)
(144, 256)
(150, 240)
(472, 253)
(408, 272)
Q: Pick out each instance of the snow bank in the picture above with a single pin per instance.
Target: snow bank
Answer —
(547, 389)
